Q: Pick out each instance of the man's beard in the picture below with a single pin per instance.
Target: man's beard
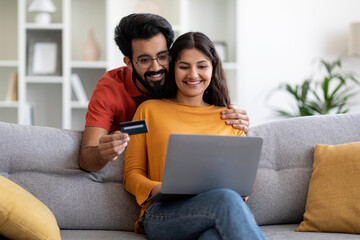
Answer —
(157, 87)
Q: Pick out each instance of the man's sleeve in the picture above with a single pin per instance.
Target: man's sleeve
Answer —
(101, 109)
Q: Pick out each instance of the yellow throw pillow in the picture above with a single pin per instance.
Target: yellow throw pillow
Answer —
(333, 201)
(22, 216)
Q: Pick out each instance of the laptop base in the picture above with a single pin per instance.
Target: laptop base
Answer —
(165, 197)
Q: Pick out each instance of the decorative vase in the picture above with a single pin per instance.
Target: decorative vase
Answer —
(90, 50)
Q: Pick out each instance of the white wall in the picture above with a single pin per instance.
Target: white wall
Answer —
(280, 41)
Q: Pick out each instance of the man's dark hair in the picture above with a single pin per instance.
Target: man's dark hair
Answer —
(217, 93)
(141, 26)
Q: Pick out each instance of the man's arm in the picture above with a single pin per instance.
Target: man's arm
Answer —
(238, 118)
(98, 148)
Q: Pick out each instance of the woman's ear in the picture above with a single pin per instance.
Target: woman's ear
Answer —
(127, 61)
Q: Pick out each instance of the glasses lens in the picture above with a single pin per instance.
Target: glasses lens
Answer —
(163, 58)
(144, 61)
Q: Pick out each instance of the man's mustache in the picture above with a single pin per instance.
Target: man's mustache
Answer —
(154, 73)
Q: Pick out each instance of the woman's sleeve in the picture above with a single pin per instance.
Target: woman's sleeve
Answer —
(136, 180)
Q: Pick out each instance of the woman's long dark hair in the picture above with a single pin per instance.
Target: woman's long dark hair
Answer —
(217, 93)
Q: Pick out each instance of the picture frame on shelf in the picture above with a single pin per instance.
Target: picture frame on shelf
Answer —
(44, 58)
(221, 50)
(44, 50)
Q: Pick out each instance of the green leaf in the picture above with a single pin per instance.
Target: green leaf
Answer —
(327, 66)
(315, 95)
(316, 107)
(283, 113)
(337, 63)
(325, 88)
(354, 79)
(304, 90)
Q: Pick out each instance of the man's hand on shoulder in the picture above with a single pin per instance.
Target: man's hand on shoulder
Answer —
(111, 146)
(238, 118)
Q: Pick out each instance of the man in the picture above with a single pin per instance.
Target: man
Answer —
(144, 39)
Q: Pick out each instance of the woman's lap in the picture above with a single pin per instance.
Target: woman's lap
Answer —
(218, 214)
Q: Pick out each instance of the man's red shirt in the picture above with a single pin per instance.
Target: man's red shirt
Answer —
(114, 100)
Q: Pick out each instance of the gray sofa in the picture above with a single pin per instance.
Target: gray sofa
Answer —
(95, 205)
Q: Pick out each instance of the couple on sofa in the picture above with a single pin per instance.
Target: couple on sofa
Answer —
(195, 91)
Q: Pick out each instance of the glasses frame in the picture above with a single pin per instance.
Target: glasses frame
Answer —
(152, 59)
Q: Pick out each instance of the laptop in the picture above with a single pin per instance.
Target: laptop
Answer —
(198, 163)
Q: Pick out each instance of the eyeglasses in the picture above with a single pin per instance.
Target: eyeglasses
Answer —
(146, 61)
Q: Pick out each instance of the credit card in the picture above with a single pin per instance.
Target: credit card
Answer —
(134, 127)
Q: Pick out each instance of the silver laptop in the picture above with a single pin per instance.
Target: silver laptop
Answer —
(199, 163)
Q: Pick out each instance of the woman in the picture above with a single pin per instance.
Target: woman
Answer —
(196, 90)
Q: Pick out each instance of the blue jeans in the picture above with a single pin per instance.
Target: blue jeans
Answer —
(217, 214)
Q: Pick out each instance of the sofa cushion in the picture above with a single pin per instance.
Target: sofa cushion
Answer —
(44, 161)
(333, 201)
(285, 167)
(100, 234)
(22, 216)
(287, 232)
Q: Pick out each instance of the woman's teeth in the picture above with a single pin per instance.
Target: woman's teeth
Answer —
(193, 83)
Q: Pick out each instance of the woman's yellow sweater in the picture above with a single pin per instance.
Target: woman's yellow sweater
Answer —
(145, 154)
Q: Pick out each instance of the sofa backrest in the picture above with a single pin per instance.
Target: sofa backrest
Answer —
(285, 166)
(44, 161)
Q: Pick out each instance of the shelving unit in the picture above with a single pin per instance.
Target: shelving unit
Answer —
(48, 99)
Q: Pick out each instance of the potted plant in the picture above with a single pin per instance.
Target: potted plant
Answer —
(329, 95)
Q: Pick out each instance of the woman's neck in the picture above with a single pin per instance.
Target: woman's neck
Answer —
(192, 101)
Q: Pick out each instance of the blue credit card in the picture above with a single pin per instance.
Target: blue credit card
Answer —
(134, 127)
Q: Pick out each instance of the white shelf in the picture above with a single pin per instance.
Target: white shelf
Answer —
(5, 104)
(51, 26)
(89, 64)
(44, 79)
(8, 63)
(79, 105)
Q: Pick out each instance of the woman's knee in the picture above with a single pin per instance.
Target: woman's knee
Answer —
(223, 196)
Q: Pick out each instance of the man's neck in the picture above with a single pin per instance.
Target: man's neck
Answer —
(140, 86)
